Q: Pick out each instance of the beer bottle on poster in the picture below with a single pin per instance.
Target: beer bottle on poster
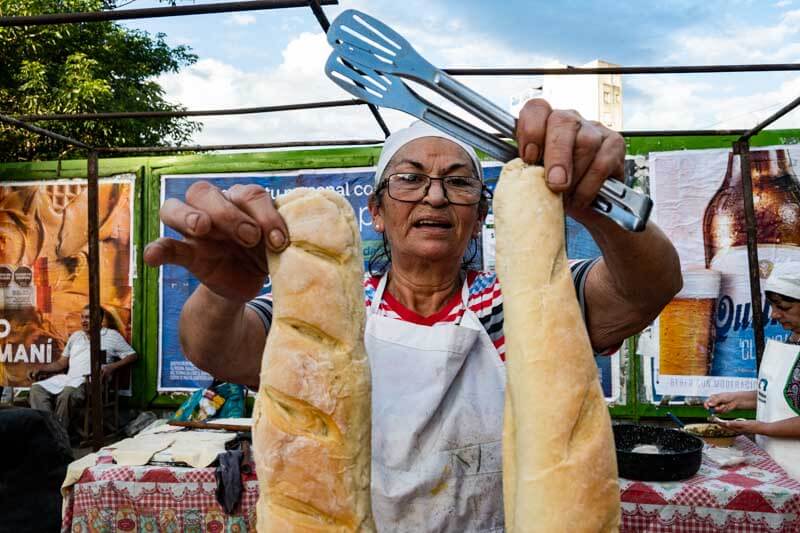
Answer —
(776, 199)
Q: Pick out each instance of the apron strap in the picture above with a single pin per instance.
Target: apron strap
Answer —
(378, 296)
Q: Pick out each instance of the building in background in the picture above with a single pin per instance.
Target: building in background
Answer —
(594, 96)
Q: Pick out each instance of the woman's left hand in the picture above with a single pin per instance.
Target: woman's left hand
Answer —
(579, 155)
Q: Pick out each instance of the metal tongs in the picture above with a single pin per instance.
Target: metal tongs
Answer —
(368, 60)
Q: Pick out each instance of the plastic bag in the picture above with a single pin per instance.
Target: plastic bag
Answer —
(221, 400)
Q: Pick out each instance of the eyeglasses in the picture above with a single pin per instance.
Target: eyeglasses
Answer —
(459, 190)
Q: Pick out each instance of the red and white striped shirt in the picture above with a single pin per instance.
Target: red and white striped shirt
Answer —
(485, 300)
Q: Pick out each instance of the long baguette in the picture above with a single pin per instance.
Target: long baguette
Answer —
(312, 415)
(559, 463)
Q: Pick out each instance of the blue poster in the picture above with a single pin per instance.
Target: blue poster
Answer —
(175, 372)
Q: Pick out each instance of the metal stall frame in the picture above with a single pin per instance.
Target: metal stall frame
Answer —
(740, 146)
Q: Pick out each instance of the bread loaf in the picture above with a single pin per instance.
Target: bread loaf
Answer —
(559, 461)
(312, 414)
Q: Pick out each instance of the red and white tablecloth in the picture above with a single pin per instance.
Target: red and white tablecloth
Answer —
(112, 498)
(756, 496)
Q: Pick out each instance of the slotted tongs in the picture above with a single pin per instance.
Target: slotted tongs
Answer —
(368, 60)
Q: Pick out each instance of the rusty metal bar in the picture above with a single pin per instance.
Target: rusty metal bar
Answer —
(679, 133)
(316, 8)
(678, 69)
(95, 315)
(667, 133)
(210, 147)
(154, 12)
(772, 118)
(199, 113)
(742, 148)
(41, 131)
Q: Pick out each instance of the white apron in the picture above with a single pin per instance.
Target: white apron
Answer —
(776, 367)
(437, 420)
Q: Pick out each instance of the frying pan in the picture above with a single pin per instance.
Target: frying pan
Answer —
(678, 454)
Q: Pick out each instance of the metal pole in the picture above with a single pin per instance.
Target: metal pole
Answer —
(772, 118)
(679, 133)
(198, 113)
(154, 12)
(316, 8)
(210, 147)
(742, 148)
(41, 131)
(95, 320)
(678, 69)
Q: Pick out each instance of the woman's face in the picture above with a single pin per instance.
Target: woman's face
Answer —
(432, 229)
(787, 313)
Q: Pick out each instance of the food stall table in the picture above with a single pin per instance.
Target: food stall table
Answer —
(110, 497)
(755, 496)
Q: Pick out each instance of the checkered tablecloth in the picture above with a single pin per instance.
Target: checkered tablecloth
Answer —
(756, 496)
(112, 498)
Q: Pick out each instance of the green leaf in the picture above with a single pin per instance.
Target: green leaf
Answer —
(93, 67)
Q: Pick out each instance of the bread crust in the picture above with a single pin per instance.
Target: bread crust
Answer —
(559, 460)
(312, 414)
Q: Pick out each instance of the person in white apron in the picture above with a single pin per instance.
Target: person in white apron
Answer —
(438, 388)
(777, 398)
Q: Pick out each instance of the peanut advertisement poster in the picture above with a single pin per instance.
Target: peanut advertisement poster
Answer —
(44, 275)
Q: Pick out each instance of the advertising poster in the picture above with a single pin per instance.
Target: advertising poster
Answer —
(703, 342)
(580, 245)
(44, 277)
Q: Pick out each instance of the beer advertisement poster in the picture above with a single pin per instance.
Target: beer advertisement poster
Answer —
(44, 276)
(703, 341)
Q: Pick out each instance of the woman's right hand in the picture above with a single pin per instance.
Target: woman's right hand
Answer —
(225, 237)
(33, 374)
(728, 401)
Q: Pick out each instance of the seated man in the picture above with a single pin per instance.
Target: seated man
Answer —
(68, 388)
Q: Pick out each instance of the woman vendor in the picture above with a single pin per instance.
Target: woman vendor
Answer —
(434, 332)
(777, 400)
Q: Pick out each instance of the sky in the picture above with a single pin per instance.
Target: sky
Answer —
(272, 57)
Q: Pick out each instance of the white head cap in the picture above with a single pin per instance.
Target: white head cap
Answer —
(784, 280)
(415, 131)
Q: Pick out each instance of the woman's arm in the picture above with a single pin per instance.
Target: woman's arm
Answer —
(637, 276)
(728, 401)
(222, 337)
(788, 428)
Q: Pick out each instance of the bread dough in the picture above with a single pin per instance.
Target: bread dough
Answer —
(559, 460)
(311, 421)
(646, 448)
(138, 451)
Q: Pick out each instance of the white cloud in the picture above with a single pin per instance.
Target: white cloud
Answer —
(659, 102)
(669, 102)
(741, 42)
(240, 19)
(213, 84)
(783, 3)
(721, 101)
